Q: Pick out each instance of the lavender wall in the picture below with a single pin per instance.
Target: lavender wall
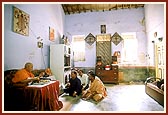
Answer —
(155, 15)
(121, 21)
(19, 49)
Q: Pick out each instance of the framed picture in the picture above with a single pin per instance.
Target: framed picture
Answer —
(51, 34)
(90, 39)
(116, 38)
(103, 29)
(20, 22)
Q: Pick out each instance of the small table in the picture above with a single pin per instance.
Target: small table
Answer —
(43, 97)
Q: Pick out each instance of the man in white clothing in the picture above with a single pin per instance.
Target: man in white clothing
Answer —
(84, 79)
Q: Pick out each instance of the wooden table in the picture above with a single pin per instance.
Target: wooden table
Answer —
(108, 76)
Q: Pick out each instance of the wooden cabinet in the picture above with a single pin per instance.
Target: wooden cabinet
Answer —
(104, 58)
(108, 76)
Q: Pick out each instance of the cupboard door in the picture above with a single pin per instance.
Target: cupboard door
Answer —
(103, 49)
(160, 60)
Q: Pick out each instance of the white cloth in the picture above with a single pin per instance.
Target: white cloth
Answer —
(41, 85)
(52, 77)
(84, 79)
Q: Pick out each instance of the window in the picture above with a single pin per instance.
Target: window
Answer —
(78, 45)
(129, 48)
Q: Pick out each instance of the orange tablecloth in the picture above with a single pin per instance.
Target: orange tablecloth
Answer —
(43, 97)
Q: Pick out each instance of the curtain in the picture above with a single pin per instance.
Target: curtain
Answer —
(79, 48)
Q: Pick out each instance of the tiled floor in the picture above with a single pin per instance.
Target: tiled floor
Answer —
(121, 98)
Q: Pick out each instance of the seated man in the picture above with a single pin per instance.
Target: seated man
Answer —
(73, 87)
(25, 75)
(84, 79)
(96, 90)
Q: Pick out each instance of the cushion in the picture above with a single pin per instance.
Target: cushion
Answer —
(154, 87)
(8, 75)
(36, 72)
(159, 83)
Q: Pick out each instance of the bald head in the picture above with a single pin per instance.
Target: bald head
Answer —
(29, 66)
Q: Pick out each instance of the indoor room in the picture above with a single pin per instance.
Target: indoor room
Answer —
(119, 47)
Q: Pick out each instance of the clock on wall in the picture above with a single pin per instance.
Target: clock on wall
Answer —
(90, 39)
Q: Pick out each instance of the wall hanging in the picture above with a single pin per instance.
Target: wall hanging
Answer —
(40, 42)
(103, 37)
(116, 38)
(51, 34)
(90, 39)
(103, 29)
(20, 22)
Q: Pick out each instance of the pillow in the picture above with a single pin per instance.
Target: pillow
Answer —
(37, 72)
(162, 87)
(159, 83)
(8, 75)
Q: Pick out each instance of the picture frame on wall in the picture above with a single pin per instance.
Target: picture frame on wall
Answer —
(116, 38)
(103, 29)
(20, 22)
(90, 39)
(51, 34)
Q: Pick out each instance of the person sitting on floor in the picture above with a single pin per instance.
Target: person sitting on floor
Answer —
(73, 87)
(96, 90)
(84, 79)
(24, 76)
